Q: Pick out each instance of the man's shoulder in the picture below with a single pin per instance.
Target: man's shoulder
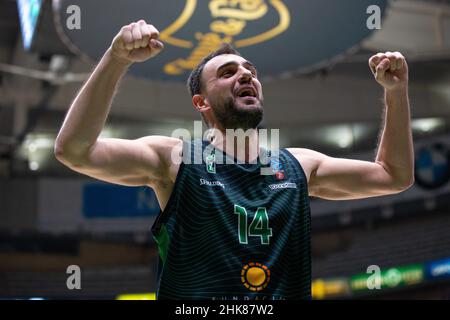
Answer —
(308, 159)
(169, 151)
(166, 147)
(306, 153)
(161, 144)
(155, 140)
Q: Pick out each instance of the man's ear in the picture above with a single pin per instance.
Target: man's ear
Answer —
(200, 103)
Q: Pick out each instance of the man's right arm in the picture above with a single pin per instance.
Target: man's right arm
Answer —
(129, 162)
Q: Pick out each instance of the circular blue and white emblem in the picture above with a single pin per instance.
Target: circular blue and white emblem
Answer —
(432, 167)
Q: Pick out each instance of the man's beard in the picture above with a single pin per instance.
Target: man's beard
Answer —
(231, 116)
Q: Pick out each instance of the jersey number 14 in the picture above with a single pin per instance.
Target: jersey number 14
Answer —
(258, 228)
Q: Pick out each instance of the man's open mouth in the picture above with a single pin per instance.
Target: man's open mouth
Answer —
(249, 100)
(246, 92)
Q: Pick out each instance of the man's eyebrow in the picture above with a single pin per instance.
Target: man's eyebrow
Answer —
(251, 65)
(234, 63)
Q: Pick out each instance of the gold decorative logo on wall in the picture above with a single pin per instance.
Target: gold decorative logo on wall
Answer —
(229, 20)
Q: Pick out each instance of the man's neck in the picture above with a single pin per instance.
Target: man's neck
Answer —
(243, 147)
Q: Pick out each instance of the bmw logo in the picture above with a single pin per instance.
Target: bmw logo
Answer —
(432, 168)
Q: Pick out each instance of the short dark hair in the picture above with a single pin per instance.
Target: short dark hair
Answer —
(194, 82)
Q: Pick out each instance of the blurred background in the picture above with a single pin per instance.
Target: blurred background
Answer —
(318, 91)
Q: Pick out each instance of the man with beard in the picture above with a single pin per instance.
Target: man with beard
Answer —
(226, 231)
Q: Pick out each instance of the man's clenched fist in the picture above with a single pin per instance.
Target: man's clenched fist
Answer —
(136, 42)
(390, 69)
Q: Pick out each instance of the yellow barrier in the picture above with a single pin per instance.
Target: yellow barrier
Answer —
(137, 296)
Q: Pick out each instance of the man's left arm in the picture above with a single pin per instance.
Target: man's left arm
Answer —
(393, 168)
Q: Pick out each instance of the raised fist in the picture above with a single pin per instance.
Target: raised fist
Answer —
(389, 69)
(136, 42)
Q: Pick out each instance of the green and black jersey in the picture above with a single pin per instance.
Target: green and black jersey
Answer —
(229, 232)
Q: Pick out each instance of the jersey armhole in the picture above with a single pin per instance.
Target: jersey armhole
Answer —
(299, 166)
(163, 215)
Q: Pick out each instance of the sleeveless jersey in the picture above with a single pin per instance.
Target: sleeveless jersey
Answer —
(230, 233)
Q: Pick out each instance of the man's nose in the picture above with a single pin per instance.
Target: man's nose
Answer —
(245, 76)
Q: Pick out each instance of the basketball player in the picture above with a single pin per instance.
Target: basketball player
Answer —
(227, 231)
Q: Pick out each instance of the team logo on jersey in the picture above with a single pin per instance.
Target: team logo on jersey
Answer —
(255, 276)
(276, 164)
(279, 175)
(277, 168)
(211, 163)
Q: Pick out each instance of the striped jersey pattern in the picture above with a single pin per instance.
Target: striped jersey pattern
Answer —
(230, 233)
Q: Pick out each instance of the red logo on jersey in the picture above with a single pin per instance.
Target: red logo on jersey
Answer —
(279, 175)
